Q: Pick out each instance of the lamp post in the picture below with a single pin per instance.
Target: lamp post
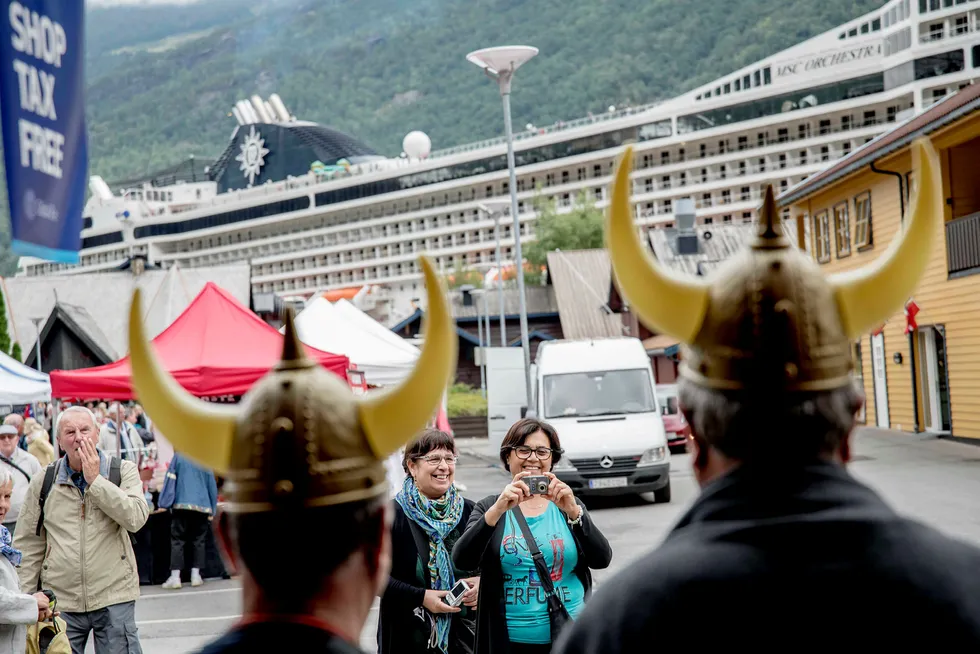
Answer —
(500, 64)
(494, 208)
(476, 293)
(37, 327)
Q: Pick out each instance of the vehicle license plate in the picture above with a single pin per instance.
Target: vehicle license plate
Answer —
(609, 482)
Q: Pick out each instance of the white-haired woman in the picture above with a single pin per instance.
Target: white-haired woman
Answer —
(17, 610)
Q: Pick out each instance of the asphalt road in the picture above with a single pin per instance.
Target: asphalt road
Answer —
(935, 481)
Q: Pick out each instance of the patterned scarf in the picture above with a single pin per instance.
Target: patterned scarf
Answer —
(437, 518)
(7, 549)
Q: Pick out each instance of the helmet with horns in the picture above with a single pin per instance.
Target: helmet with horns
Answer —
(299, 438)
(768, 319)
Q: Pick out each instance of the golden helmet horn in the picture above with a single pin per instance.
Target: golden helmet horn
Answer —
(206, 432)
(666, 303)
(867, 296)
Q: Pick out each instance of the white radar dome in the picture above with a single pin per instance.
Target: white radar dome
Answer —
(417, 145)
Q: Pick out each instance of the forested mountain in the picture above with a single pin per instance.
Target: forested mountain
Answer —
(162, 78)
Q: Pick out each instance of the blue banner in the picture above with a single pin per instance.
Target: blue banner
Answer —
(42, 107)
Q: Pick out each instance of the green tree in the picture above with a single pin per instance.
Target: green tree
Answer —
(16, 353)
(579, 229)
(461, 276)
(4, 333)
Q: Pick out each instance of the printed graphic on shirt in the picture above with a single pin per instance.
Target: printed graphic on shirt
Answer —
(522, 585)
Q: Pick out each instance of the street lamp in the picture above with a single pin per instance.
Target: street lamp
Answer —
(500, 64)
(37, 327)
(494, 208)
(477, 294)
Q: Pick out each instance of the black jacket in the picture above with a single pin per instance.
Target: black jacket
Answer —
(398, 628)
(479, 547)
(807, 558)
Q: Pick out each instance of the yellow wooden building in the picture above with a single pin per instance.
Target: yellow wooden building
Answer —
(927, 380)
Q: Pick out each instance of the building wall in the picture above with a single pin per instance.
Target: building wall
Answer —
(954, 303)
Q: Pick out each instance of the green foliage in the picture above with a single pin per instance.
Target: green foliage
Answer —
(463, 400)
(461, 276)
(4, 327)
(578, 229)
(16, 353)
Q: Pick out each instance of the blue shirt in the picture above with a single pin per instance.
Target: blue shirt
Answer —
(524, 597)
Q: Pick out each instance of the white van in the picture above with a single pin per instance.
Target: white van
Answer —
(600, 396)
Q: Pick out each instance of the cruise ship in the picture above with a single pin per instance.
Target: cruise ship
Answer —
(313, 210)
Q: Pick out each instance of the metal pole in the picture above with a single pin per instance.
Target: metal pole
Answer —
(504, 81)
(479, 327)
(37, 328)
(500, 280)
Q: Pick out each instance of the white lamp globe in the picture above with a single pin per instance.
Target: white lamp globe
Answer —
(417, 145)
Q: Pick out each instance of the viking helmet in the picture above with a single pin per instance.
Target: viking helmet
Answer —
(299, 438)
(767, 319)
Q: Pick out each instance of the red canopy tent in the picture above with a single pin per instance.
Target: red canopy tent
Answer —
(215, 347)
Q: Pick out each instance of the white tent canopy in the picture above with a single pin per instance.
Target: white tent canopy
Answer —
(20, 384)
(350, 332)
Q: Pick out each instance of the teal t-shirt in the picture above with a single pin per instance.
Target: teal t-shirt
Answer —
(524, 597)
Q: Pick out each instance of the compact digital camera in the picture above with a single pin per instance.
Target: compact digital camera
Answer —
(455, 596)
(538, 485)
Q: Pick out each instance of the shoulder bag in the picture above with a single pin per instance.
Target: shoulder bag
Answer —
(557, 614)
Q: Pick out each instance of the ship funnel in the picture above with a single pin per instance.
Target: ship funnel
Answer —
(259, 107)
(280, 107)
(246, 111)
(271, 112)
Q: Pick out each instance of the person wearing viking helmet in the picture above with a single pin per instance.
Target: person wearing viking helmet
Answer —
(784, 550)
(307, 515)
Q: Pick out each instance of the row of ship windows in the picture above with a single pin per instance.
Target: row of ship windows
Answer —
(761, 77)
(925, 6)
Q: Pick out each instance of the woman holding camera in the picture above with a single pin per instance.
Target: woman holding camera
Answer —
(429, 517)
(513, 615)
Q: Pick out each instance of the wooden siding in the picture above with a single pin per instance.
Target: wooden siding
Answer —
(954, 303)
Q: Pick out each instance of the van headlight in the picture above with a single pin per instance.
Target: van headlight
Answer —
(654, 455)
(563, 465)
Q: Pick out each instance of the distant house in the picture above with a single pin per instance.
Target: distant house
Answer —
(543, 324)
(70, 340)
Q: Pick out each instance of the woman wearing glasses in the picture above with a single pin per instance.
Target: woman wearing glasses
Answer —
(429, 517)
(513, 609)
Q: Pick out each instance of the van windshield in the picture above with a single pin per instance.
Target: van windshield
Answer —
(598, 393)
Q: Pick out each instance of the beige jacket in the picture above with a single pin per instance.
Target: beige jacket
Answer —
(83, 553)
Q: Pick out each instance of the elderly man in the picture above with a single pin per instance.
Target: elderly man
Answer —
(74, 534)
(23, 466)
(303, 459)
(784, 549)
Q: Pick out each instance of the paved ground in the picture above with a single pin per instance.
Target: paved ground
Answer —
(935, 481)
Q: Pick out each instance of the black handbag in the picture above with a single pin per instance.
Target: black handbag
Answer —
(557, 614)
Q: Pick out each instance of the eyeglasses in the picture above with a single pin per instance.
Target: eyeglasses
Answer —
(436, 459)
(524, 452)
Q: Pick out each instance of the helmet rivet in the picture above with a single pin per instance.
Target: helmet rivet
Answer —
(282, 424)
(791, 370)
(283, 487)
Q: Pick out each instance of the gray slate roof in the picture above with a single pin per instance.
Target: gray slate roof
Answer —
(540, 299)
(581, 280)
(91, 327)
(106, 297)
(725, 240)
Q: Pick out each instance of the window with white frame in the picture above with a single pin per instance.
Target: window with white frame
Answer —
(821, 236)
(862, 221)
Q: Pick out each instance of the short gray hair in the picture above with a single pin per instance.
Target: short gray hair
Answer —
(78, 408)
(753, 426)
